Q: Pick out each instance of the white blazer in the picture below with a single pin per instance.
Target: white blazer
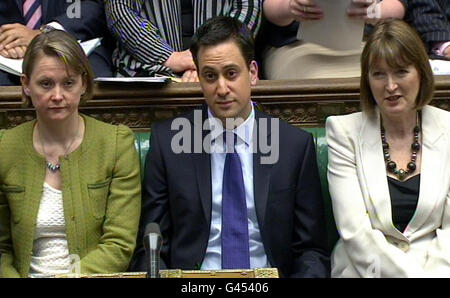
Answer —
(369, 244)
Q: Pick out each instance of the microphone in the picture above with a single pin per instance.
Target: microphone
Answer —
(152, 245)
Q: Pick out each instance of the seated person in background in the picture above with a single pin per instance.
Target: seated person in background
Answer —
(69, 184)
(20, 21)
(154, 35)
(288, 58)
(221, 209)
(388, 167)
(431, 18)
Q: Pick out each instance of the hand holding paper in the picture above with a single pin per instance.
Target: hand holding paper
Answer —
(364, 9)
(304, 10)
(336, 30)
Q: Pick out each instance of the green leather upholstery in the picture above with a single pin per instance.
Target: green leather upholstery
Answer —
(322, 163)
(142, 145)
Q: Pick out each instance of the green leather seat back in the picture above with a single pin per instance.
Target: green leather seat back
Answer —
(322, 163)
(143, 145)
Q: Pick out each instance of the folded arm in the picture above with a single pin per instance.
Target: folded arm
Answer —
(248, 12)
(137, 34)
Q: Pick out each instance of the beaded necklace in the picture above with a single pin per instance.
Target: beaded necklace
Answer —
(391, 166)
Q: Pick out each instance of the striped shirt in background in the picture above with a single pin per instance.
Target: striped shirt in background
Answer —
(149, 31)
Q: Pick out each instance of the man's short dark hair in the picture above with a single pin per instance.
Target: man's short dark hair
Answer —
(221, 29)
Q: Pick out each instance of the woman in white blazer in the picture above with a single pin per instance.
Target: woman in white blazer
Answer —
(389, 166)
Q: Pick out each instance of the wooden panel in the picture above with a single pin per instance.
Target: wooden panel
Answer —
(178, 273)
(300, 102)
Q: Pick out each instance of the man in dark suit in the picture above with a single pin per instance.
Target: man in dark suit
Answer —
(218, 209)
(431, 18)
(84, 19)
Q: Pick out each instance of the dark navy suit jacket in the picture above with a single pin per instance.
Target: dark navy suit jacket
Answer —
(177, 195)
(91, 24)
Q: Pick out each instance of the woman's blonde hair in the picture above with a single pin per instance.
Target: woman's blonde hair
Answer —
(399, 45)
(60, 44)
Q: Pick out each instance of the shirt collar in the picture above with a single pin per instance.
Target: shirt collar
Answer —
(244, 131)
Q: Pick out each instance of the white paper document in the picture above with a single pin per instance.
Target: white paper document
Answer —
(440, 67)
(154, 80)
(90, 45)
(335, 30)
(14, 66)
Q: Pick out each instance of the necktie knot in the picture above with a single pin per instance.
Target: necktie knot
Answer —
(229, 141)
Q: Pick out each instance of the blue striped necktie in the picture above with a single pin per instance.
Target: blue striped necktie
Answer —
(32, 13)
(235, 239)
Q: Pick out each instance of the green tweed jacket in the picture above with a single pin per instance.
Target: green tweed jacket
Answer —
(101, 198)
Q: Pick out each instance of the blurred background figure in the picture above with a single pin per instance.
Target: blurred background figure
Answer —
(285, 57)
(20, 21)
(431, 18)
(153, 36)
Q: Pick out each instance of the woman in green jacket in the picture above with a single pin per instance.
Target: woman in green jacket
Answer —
(69, 184)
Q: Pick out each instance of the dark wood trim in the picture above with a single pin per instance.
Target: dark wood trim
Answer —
(300, 102)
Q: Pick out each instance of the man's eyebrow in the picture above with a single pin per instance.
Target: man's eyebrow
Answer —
(207, 67)
(210, 67)
(232, 65)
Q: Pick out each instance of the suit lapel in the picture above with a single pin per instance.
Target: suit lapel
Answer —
(202, 163)
(432, 167)
(374, 172)
(261, 172)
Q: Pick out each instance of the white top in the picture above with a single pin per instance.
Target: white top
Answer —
(50, 249)
(244, 146)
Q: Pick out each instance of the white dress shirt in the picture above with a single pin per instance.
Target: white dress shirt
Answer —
(244, 145)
